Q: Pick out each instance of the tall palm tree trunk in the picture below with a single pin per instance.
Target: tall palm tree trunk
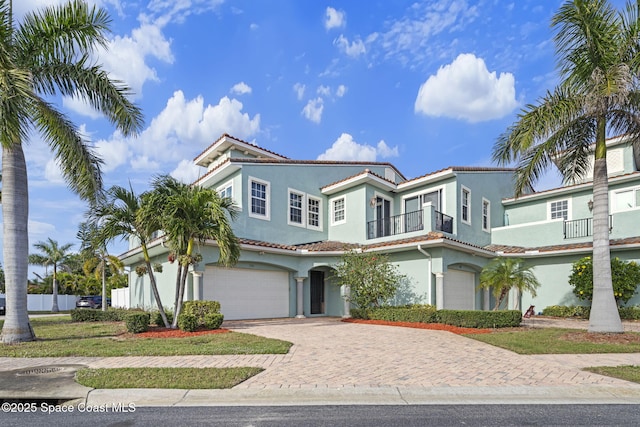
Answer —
(604, 316)
(15, 214)
(54, 296)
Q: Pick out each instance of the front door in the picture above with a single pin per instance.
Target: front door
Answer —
(317, 292)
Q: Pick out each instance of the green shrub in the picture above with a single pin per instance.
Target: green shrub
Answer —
(410, 313)
(579, 311)
(110, 315)
(630, 313)
(480, 319)
(626, 313)
(213, 320)
(137, 322)
(156, 318)
(360, 313)
(625, 279)
(187, 322)
(200, 309)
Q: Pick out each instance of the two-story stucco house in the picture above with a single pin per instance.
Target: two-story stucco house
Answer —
(298, 216)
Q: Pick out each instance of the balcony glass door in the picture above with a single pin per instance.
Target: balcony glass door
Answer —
(383, 217)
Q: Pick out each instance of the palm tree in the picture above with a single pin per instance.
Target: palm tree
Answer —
(598, 54)
(55, 256)
(119, 215)
(191, 214)
(97, 259)
(503, 274)
(49, 53)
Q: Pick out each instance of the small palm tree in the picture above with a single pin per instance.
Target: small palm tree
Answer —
(598, 52)
(503, 274)
(56, 256)
(49, 53)
(119, 215)
(191, 214)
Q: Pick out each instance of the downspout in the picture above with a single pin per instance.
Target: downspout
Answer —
(426, 254)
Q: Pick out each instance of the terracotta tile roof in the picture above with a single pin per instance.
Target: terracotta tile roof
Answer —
(226, 135)
(315, 162)
(209, 172)
(327, 246)
(556, 248)
(262, 244)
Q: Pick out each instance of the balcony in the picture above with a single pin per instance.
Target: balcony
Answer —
(581, 227)
(407, 223)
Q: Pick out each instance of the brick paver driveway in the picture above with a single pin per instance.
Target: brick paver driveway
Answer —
(330, 353)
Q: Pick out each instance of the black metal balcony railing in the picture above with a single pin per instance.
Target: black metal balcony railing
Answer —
(406, 223)
(581, 227)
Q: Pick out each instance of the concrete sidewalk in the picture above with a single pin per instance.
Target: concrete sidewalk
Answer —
(333, 362)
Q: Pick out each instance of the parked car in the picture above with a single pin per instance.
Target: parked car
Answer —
(91, 301)
(3, 304)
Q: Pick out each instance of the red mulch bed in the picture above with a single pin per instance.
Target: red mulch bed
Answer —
(436, 326)
(158, 332)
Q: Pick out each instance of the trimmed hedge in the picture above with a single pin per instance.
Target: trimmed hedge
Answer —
(213, 320)
(582, 312)
(429, 314)
(110, 315)
(137, 322)
(480, 319)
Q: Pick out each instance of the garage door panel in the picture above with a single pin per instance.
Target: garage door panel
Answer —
(459, 290)
(248, 294)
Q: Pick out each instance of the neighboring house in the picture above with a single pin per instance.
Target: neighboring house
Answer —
(297, 217)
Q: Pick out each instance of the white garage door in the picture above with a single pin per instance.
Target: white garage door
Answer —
(247, 294)
(459, 290)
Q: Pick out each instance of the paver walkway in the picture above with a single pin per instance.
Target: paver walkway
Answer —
(331, 354)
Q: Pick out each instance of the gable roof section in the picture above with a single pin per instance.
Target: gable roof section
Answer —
(225, 142)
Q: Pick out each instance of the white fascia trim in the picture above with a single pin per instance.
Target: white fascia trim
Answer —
(407, 185)
(363, 178)
(219, 174)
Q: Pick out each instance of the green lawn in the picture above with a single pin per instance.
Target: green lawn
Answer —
(551, 341)
(627, 373)
(177, 378)
(59, 337)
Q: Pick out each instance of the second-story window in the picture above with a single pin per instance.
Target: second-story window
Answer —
(465, 204)
(295, 207)
(486, 212)
(338, 206)
(259, 199)
(559, 210)
(226, 190)
(313, 213)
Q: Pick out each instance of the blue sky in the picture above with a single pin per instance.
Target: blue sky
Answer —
(421, 84)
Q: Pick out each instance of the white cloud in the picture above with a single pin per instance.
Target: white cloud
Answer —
(354, 49)
(341, 91)
(241, 88)
(299, 88)
(114, 152)
(324, 90)
(313, 110)
(144, 163)
(179, 10)
(125, 57)
(334, 18)
(346, 149)
(52, 173)
(187, 171)
(466, 90)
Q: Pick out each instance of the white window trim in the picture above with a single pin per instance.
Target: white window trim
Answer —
(267, 184)
(462, 191)
(488, 227)
(440, 188)
(568, 200)
(388, 199)
(614, 201)
(228, 184)
(319, 200)
(303, 208)
(332, 210)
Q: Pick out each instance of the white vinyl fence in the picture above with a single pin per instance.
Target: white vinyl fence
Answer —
(120, 298)
(43, 302)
